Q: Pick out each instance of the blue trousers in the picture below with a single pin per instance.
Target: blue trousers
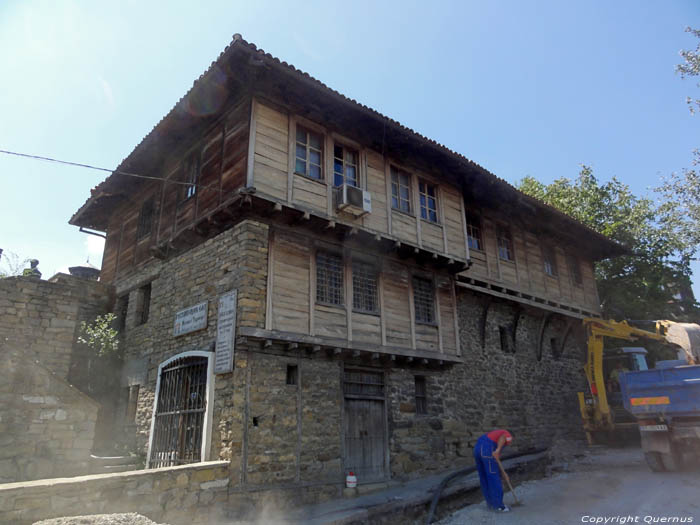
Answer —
(489, 473)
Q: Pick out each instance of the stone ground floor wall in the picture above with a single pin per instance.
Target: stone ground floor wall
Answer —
(46, 425)
(188, 494)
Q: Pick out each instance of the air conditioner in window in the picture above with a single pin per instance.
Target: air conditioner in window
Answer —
(355, 201)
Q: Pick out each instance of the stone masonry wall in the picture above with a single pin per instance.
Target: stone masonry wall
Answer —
(46, 425)
(188, 494)
(44, 316)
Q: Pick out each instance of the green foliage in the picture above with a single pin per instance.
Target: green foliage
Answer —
(99, 335)
(691, 67)
(645, 284)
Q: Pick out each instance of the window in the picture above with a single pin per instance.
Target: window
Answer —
(421, 395)
(474, 232)
(131, 404)
(557, 350)
(428, 201)
(145, 219)
(145, 303)
(292, 374)
(364, 287)
(504, 334)
(309, 152)
(505, 245)
(329, 278)
(424, 300)
(122, 311)
(345, 166)
(574, 270)
(191, 176)
(550, 261)
(400, 190)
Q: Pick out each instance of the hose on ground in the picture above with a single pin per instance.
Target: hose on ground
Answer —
(465, 472)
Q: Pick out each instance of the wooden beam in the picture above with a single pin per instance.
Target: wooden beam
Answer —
(292, 346)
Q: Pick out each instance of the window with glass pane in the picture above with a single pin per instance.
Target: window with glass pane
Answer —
(364, 287)
(505, 245)
(424, 300)
(309, 152)
(550, 262)
(400, 190)
(574, 270)
(428, 201)
(329, 278)
(474, 232)
(344, 166)
(191, 176)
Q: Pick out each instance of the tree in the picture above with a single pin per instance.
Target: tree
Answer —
(11, 264)
(691, 67)
(99, 335)
(645, 284)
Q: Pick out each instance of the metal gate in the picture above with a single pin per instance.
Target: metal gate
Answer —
(179, 418)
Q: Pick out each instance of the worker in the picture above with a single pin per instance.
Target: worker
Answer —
(614, 383)
(487, 450)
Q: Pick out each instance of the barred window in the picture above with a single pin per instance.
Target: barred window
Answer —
(574, 270)
(145, 219)
(550, 261)
(364, 287)
(309, 152)
(424, 300)
(505, 245)
(428, 201)
(145, 293)
(421, 395)
(329, 278)
(344, 166)
(400, 190)
(474, 232)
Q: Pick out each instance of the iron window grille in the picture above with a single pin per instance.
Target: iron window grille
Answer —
(364, 287)
(145, 219)
(421, 395)
(424, 300)
(345, 166)
(428, 201)
(550, 262)
(474, 233)
(575, 270)
(145, 303)
(309, 152)
(400, 190)
(362, 383)
(505, 245)
(329, 278)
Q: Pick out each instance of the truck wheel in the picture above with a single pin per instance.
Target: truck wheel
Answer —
(654, 461)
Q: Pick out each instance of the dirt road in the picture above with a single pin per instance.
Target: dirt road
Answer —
(612, 484)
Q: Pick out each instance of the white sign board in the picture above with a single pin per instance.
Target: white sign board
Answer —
(191, 319)
(225, 333)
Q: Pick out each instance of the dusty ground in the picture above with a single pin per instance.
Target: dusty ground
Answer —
(130, 518)
(600, 484)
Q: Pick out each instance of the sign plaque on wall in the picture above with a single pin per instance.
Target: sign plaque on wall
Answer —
(191, 319)
(225, 333)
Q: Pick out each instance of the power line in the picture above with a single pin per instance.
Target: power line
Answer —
(117, 172)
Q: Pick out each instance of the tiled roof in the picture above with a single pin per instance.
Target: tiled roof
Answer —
(239, 43)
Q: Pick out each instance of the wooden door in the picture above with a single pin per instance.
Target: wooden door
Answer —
(365, 425)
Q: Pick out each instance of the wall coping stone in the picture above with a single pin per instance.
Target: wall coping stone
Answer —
(46, 483)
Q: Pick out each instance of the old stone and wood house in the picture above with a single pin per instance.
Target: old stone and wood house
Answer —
(308, 288)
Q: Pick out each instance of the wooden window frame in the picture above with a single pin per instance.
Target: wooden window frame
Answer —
(575, 270)
(346, 148)
(474, 229)
(420, 389)
(549, 261)
(431, 319)
(192, 166)
(146, 215)
(355, 308)
(503, 233)
(395, 170)
(302, 126)
(319, 289)
(423, 193)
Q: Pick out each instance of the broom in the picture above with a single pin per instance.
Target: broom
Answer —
(503, 471)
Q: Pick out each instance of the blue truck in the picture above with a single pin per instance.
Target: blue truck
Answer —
(666, 404)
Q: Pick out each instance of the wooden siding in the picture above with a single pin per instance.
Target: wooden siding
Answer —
(292, 300)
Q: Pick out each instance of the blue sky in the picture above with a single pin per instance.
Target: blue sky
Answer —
(523, 88)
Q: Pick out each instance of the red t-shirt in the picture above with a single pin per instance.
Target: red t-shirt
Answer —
(495, 435)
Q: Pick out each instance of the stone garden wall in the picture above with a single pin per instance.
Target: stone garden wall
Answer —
(188, 494)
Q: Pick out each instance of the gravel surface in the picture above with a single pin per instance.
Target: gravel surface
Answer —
(130, 518)
(602, 483)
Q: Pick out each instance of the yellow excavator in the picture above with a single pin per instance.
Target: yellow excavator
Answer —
(602, 412)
